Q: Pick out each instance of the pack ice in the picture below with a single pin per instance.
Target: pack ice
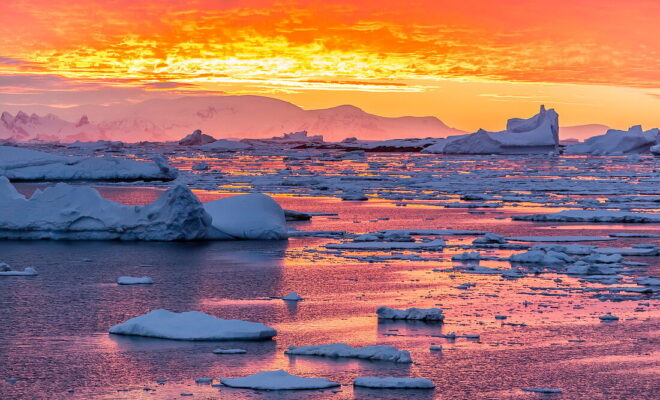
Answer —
(19, 164)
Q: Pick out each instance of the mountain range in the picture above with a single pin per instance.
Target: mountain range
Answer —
(219, 116)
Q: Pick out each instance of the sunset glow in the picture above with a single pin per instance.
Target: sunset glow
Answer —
(442, 58)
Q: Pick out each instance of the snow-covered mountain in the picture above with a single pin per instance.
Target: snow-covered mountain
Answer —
(219, 116)
(23, 127)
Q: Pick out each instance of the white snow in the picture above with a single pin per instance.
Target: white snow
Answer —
(538, 134)
(541, 257)
(65, 212)
(424, 314)
(249, 216)
(277, 380)
(591, 216)
(378, 352)
(31, 165)
(132, 280)
(393, 383)
(617, 142)
(192, 325)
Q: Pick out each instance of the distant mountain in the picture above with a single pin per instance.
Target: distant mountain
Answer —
(581, 132)
(23, 127)
(218, 116)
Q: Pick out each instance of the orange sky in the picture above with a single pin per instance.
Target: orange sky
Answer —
(470, 63)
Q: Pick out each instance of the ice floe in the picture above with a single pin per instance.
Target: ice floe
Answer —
(277, 380)
(420, 314)
(132, 280)
(377, 352)
(192, 325)
(591, 216)
(393, 383)
(6, 270)
(249, 216)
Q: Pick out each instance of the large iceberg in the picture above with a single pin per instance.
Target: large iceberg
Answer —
(197, 138)
(20, 164)
(538, 134)
(617, 142)
(65, 212)
(192, 325)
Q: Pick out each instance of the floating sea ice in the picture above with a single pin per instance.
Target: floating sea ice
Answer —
(608, 317)
(131, 280)
(277, 380)
(475, 255)
(229, 351)
(420, 314)
(393, 383)
(293, 296)
(5, 270)
(192, 325)
(379, 352)
(489, 238)
(542, 390)
(541, 257)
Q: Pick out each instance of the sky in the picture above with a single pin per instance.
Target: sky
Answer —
(471, 63)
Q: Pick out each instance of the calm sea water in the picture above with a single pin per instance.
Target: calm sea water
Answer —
(53, 331)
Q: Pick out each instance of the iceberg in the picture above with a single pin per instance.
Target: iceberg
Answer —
(196, 138)
(5, 270)
(222, 145)
(20, 164)
(378, 352)
(249, 216)
(536, 135)
(277, 380)
(65, 212)
(618, 142)
(192, 325)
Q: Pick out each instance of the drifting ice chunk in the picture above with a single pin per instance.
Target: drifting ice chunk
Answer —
(383, 353)
(200, 167)
(560, 238)
(393, 383)
(293, 296)
(65, 212)
(608, 317)
(536, 135)
(423, 314)
(542, 390)
(19, 164)
(616, 142)
(277, 380)
(131, 280)
(196, 138)
(5, 270)
(590, 216)
(541, 257)
(229, 351)
(248, 216)
(192, 325)
(432, 245)
(489, 238)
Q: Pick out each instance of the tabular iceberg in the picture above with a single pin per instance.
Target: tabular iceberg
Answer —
(20, 164)
(617, 142)
(536, 135)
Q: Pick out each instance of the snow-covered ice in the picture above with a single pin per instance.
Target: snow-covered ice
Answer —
(420, 314)
(192, 325)
(6, 270)
(616, 142)
(591, 216)
(249, 216)
(377, 352)
(133, 280)
(393, 383)
(19, 164)
(229, 351)
(277, 380)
